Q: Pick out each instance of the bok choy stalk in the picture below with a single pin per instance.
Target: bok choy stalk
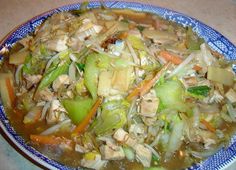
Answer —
(113, 116)
(78, 108)
(94, 63)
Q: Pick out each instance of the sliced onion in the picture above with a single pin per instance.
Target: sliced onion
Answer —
(156, 140)
(44, 111)
(196, 117)
(133, 54)
(130, 115)
(175, 138)
(153, 150)
(206, 153)
(56, 127)
(18, 74)
(182, 65)
(73, 57)
(51, 61)
(135, 58)
(72, 71)
(102, 52)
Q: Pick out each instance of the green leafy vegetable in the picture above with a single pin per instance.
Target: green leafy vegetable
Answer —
(81, 66)
(199, 91)
(51, 76)
(171, 95)
(77, 109)
(43, 50)
(193, 42)
(113, 116)
(27, 64)
(155, 158)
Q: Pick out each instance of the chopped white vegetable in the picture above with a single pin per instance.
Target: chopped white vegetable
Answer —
(104, 83)
(220, 75)
(231, 95)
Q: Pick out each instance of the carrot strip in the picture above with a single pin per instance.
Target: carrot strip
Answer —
(85, 122)
(47, 140)
(146, 85)
(10, 90)
(208, 125)
(171, 57)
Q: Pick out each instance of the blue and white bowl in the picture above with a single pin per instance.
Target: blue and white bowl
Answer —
(222, 159)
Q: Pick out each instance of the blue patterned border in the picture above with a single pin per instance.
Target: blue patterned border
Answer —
(215, 40)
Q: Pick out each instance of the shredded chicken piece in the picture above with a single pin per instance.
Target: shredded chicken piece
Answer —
(46, 95)
(61, 80)
(122, 136)
(112, 153)
(32, 79)
(58, 44)
(56, 113)
(149, 104)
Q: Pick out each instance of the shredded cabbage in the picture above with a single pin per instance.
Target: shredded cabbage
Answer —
(171, 95)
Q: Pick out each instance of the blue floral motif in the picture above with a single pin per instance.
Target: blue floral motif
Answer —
(214, 39)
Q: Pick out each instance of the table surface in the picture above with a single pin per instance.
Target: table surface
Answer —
(220, 15)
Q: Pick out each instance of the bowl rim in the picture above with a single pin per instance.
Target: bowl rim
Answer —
(15, 140)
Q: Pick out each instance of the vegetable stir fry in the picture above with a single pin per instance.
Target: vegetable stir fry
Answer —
(116, 88)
